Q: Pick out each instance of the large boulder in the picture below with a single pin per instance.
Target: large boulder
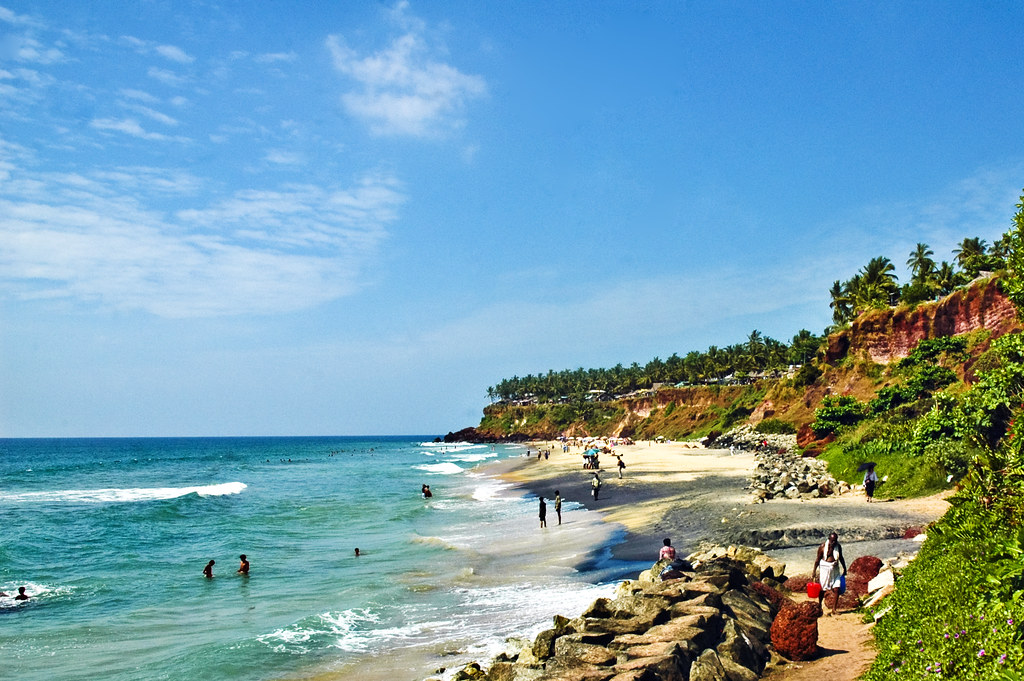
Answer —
(742, 655)
(708, 667)
(794, 632)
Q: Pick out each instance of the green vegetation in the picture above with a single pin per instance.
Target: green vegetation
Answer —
(875, 285)
(775, 427)
(759, 354)
(957, 610)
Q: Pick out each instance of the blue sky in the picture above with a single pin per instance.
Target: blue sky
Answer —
(351, 218)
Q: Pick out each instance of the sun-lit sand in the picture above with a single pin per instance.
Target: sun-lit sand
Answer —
(692, 494)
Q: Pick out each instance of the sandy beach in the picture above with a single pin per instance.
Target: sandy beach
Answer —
(693, 494)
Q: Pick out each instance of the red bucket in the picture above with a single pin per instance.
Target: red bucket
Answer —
(813, 589)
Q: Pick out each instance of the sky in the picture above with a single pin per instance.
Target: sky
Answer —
(221, 218)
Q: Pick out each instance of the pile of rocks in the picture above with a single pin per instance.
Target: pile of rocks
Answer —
(713, 623)
(787, 474)
(746, 438)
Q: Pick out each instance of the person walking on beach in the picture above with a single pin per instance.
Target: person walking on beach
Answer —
(558, 506)
(622, 467)
(870, 480)
(595, 485)
(208, 570)
(668, 552)
(543, 513)
(243, 565)
(828, 560)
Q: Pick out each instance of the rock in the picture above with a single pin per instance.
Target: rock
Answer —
(742, 655)
(469, 672)
(884, 578)
(570, 651)
(794, 633)
(544, 644)
(665, 668)
(707, 667)
(772, 595)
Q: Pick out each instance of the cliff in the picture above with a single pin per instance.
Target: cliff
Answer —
(883, 336)
(852, 363)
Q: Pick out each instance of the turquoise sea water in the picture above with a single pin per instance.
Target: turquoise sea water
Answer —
(110, 536)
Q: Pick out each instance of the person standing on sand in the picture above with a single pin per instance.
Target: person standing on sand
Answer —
(543, 513)
(558, 506)
(208, 570)
(870, 480)
(595, 485)
(828, 559)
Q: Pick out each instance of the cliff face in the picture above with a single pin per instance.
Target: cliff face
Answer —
(884, 336)
(880, 337)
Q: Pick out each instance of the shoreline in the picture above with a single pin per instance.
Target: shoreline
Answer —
(694, 495)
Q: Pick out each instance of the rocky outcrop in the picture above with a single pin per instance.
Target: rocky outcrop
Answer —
(884, 336)
(711, 624)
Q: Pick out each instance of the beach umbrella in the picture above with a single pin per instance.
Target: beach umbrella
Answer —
(866, 465)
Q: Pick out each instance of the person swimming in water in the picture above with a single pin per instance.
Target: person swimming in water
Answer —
(22, 596)
(208, 570)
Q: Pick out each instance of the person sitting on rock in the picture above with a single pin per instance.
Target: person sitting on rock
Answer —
(668, 552)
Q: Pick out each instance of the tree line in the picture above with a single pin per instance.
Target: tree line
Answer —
(759, 353)
(874, 286)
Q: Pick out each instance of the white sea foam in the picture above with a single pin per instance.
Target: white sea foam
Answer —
(474, 457)
(452, 446)
(123, 495)
(446, 468)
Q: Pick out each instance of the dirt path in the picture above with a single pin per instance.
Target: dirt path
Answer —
(844, 652)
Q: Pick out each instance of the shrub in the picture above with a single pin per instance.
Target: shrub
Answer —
(836, 414)
(775, 427)
(807, 375)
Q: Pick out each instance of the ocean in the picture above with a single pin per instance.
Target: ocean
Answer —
(110, 536)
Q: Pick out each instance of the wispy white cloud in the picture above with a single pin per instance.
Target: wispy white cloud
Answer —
(166, 77)
(93, 239)
(130, 126)
(152, 114)
(139, 95)
(283, 157)
(10, 17)
(25, 48)
(174, 53)
(275, 57)
(404, 89)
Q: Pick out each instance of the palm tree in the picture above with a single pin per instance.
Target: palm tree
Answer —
(921, 264)
(841, 310)
(945, 278)
(970, 255)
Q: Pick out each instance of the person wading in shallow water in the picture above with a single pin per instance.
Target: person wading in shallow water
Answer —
(558, 506)
(208, 570)
(543, 513)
